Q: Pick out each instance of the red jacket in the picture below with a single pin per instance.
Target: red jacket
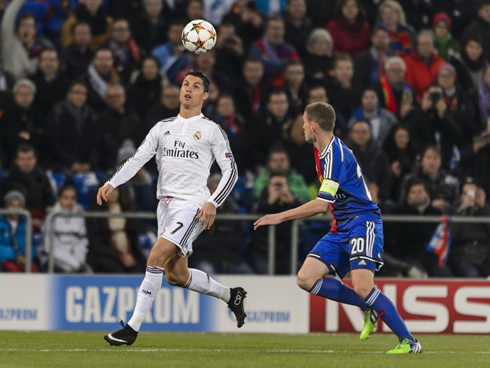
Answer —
(419, 75)
(349, 38)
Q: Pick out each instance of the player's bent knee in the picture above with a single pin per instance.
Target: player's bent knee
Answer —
(176, 280)
(305, 281)
(363, 290)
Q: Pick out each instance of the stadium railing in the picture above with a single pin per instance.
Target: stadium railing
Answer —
(28, 218)
(272, 232)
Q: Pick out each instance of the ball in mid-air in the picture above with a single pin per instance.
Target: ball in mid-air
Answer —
(199, 36)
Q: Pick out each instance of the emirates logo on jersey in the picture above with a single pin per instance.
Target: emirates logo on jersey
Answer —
(197, 135)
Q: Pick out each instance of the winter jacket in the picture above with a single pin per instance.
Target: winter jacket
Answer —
(12, 244)
(419, 75)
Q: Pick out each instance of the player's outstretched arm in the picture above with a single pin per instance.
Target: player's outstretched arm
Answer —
(306, 210)
(103, 192)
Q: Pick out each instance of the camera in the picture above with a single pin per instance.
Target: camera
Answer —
(278, 185)
(435, 97)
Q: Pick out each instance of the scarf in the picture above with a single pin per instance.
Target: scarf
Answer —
(451, 100)
(390, 102)
(273, 53)
(98, 21)
(400, 41)
(98, 83)
(123, 55)
(472, 65)
(484, 102)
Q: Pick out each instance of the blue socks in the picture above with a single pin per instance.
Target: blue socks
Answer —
(338, 291)
(335, 290)
(387, 311)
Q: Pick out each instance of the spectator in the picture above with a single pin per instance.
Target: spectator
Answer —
(72, 132)
(77, 56)
(422, 64)
(443, 188)
(484, 101)
(70, 241)
(7, 82)
(343, 97)
(20, 123)
(146, 88)
(209, 256)
(477, 161)
(235, 128)
(380, 120)
(319, 94)
(94, 14)
(116, 124)
(167, 107)
(194, 10)
(273, 126)
(150, 27)
(431, 124)
(400, 151)
(470, 249)
(470, 63)
(369, 66)
(459, 106)
(300, 153)
(251, 91)
(349, 30)
(461, 14)
(21, 49)
(171, 54)
(100, 75)
(372, 160)
(13, 236)
(247, 20)
(50, 83)
(275, 197)
(401, 34)
(480, 26)
(295, 86)
(409, 240)
(114, 245)
(298, 25)
(215, 11)
(319, 59)
(320, 11)
(229, 52)
(278, 163)
(444, 43)
(394, 93)
(28, 178)
(273, 50)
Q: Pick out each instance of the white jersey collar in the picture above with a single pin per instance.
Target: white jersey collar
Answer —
(191, 118)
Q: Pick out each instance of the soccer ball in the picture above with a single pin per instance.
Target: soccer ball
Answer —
(199, 36)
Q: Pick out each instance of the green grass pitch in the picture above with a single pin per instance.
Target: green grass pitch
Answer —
(89, 350)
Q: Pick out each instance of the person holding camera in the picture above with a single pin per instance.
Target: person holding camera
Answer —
(470, 251)
(275, 197)
(431, 124)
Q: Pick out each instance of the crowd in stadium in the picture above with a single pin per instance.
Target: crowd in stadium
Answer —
(82, 82)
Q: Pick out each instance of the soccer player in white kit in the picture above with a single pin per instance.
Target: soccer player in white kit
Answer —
(185, 147)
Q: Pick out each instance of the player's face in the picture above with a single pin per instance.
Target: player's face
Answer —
(307, 127)
(192, 92)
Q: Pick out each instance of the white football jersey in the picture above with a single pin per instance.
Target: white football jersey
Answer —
(184, 151)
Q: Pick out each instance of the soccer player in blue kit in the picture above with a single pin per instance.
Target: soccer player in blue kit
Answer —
(355, 241)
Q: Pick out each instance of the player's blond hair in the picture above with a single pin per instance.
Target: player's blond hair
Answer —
(321, 113)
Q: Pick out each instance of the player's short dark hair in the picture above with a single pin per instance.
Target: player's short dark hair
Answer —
(323, 114)
(482, 3)
(199, 74)
(25, 148)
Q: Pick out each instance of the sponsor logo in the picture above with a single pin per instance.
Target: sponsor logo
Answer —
(197, 135)
(362, 263)
(238, 299)
(178, 150)
(263, 316)
(228, 155)
(11, 314)
(146, 292)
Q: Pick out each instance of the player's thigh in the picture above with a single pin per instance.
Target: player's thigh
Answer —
(362, 281)
(330, 252)
(311, 271)
(162, 252)
(365, 246)
(178, 224)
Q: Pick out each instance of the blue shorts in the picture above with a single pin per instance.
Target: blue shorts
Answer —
(360, 247)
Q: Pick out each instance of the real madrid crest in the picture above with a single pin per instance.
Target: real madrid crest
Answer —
(197, 135)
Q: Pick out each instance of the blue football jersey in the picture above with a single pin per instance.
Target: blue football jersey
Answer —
(343, 186)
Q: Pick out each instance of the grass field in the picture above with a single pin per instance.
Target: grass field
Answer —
(89, 350)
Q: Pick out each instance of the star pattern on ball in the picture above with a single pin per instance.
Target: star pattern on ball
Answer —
(197, 26)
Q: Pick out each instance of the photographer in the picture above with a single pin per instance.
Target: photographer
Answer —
(275, 197)
(470, 252)
(431, 124)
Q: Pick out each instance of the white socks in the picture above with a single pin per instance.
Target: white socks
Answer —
(201, 282)
(146, 295)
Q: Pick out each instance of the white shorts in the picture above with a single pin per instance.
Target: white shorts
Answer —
(177, 223)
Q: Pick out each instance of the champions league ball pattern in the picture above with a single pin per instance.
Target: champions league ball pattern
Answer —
(199, 36)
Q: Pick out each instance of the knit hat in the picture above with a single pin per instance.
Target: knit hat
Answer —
(12, 196)
(442, 16)
(449, 67)
(126, 151)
